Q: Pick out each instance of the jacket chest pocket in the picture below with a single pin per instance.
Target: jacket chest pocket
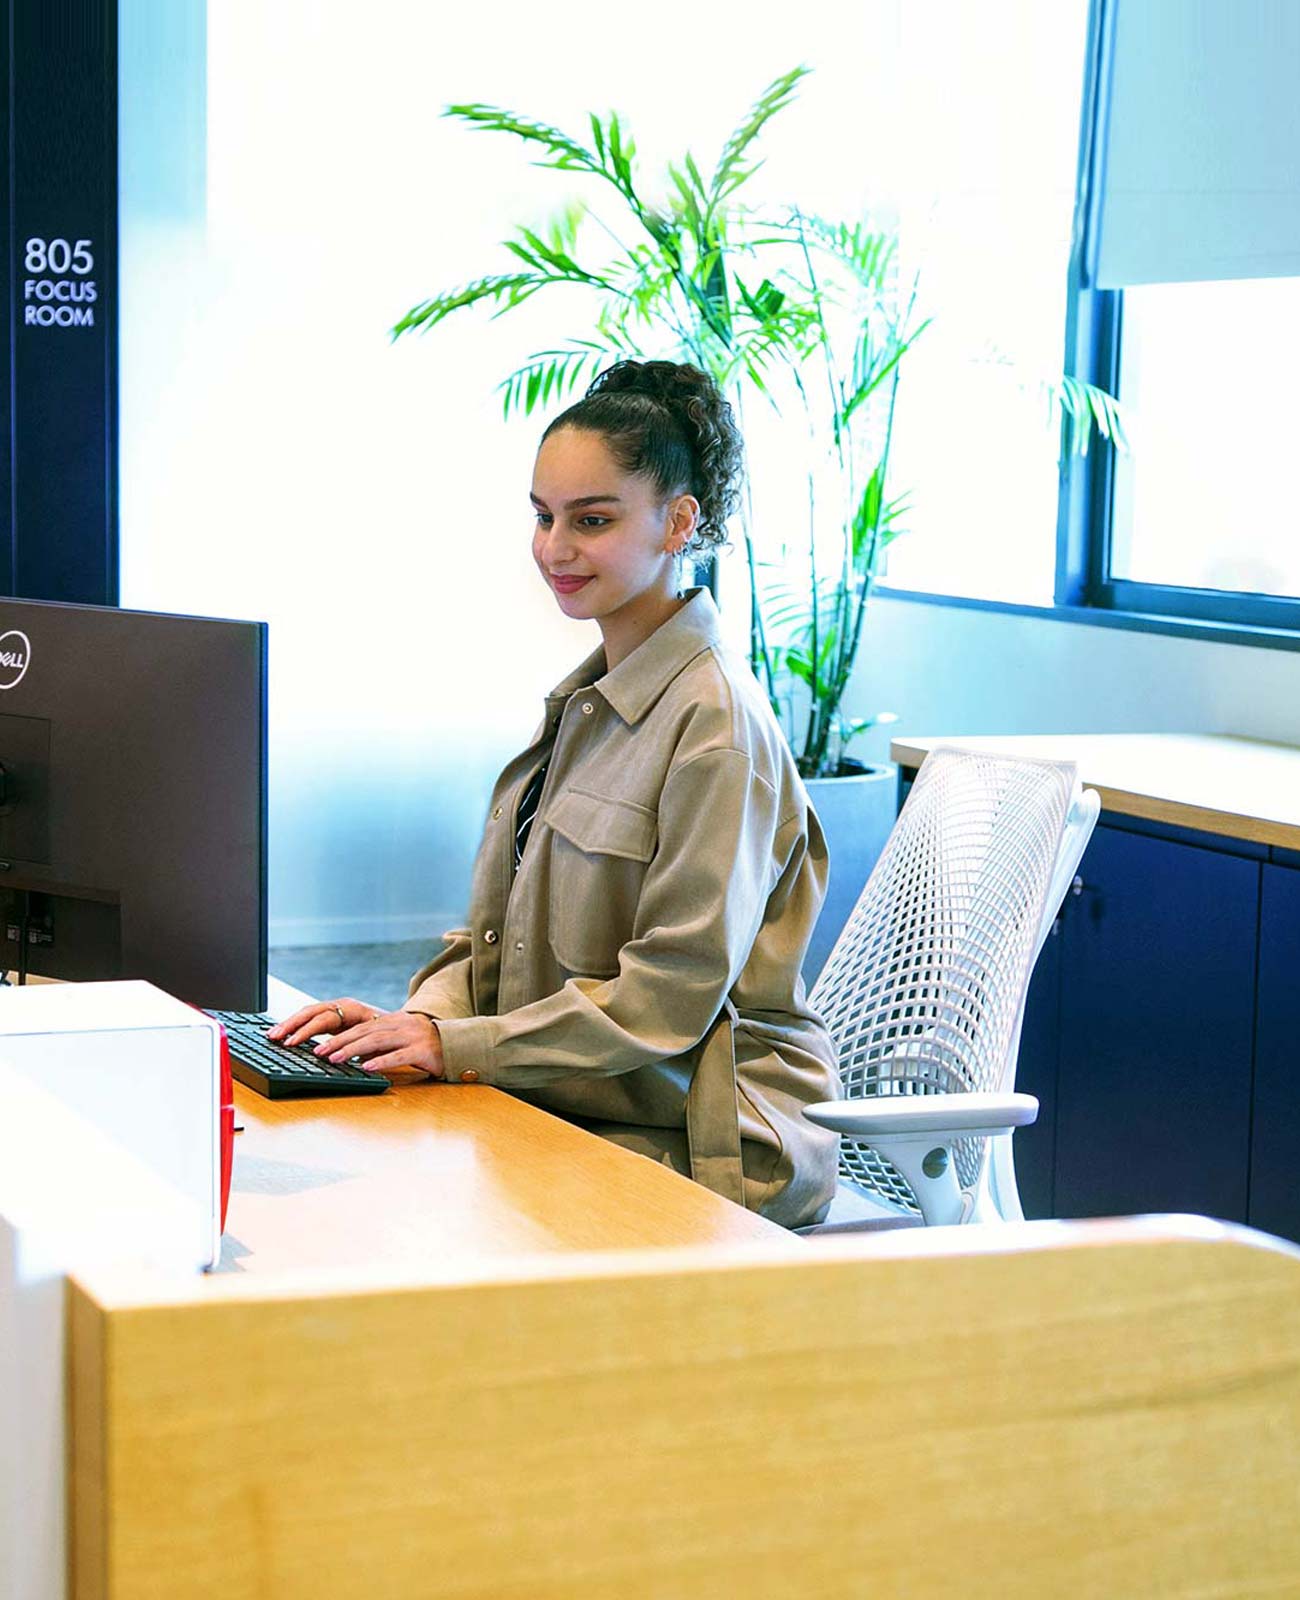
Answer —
(599, 850)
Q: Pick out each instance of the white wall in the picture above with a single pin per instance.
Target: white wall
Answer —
(282, 460)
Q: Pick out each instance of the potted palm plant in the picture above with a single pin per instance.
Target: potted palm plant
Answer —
(784, 308)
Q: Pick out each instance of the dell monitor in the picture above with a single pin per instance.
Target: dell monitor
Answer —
(133, 799)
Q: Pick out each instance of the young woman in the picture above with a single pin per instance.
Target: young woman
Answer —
(651, 867)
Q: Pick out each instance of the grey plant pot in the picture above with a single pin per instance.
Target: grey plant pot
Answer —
(856, 814)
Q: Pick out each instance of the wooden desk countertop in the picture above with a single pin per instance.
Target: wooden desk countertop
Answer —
(427, 1173)
(1217, 782)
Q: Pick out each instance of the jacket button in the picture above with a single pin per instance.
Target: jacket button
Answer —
(496, 812)
(491, 936)
(520, 945)
(469, 1076)
(587, 708)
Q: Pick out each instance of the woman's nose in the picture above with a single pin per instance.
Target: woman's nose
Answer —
(557, 547)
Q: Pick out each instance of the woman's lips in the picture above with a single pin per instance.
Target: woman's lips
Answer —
(569, 585)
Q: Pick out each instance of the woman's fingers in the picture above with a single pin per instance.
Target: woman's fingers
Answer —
(287, 1024)
(362, 1041)
(396, 1061)
(351, 1041)
(322, 1016)
(399, 1038)
(303, 1024)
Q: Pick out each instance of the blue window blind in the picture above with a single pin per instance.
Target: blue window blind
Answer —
(1198, 143)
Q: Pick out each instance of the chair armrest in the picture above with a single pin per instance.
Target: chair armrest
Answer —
(933, 1115)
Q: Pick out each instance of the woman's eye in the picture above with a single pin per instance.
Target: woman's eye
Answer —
(545, 519)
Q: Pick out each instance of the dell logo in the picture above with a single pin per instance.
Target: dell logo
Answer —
(15, 652)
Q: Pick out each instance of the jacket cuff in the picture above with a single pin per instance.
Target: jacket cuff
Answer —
(467, 1049)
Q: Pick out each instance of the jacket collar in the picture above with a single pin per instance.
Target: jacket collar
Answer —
(639, 679)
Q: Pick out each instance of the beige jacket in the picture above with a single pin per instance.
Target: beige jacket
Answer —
(640, 972)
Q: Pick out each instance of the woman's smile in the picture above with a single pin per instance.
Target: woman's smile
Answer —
(567, 585)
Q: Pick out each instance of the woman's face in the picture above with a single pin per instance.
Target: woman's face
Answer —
(603, 540)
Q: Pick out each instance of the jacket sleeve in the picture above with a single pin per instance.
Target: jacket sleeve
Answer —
(445, 987)
(701, 905)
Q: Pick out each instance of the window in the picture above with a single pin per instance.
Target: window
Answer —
(1207, 498)
(981, 166)
(1188, 306)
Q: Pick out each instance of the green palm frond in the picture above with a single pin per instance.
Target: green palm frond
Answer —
(789, 607)
(506, 290)
(1086, 408)
(565, 152)
(873, 363)
(564, 225)
(867, 252)
(550, 372)
(611, 159)
(731, 170)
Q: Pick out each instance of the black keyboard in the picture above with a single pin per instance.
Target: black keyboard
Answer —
(283, 1072)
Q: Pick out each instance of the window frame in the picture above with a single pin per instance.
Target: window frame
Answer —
(1094, 328)
(1084, 591)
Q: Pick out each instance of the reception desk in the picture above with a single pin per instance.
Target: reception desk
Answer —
(1089, 1409)
(457, 1347)
(529, 1364)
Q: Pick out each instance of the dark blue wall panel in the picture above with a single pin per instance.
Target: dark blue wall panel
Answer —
(59, 536)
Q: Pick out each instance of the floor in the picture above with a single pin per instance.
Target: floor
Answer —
(375, 973)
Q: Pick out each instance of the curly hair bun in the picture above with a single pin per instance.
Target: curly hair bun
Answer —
(668, 421)
(667, 381)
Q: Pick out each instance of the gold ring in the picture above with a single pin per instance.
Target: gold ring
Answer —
(335, 1006)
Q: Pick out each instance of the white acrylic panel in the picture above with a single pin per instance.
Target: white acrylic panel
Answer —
(70, 1197)
(139, 1066)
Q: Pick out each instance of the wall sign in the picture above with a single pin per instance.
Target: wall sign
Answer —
(58, 370)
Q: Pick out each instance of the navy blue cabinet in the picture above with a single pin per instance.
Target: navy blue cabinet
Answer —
(1275, 1135)
(1157, 1000)
(1036, 1074)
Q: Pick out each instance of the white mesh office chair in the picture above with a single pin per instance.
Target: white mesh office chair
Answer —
(924, 991)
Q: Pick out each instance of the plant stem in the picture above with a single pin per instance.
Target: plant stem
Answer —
(758, 651)
(814, 684)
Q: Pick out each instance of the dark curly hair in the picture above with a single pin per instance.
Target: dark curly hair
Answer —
(667, 422)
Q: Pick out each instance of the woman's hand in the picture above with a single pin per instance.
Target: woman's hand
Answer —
(389, 1041)
(385, 1040)
(321, 1016)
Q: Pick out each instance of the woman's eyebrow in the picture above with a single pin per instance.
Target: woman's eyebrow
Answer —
(583, 500)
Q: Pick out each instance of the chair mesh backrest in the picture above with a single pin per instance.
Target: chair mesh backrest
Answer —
(923, 989)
